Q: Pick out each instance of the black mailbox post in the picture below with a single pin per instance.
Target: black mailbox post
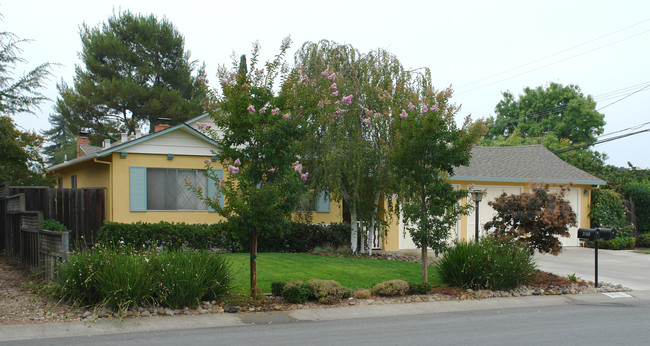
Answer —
(596, 234)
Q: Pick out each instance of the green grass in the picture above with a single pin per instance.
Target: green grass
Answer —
(348, 271)
(647, 251)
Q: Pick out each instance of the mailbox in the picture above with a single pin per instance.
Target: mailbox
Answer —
(595, 234)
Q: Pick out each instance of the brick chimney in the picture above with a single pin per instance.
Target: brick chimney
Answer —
(161, 124)
(83, 139)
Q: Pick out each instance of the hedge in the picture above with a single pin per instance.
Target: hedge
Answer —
(297, 237)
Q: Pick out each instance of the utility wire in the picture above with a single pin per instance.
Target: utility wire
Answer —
(624, 97)
(583, 146)
(552, 55)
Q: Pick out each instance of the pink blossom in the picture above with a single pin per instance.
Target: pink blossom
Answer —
(368, 112)
(237, 162)
(207, 161)
(208, 126)
(202, 80)
(233, 170)
(338, 113)
(298, 168)
(434, 107)
(201, 126)
(332, 77)
(333, 87)
(273, 170)
(232, 83)
(425, 109)
(453, 246)
(325, 73)
(411, 106)
(262, 110)
(287, 115)
(321, 104)
(403, 115)
(251, 109)
(275, 111)
(347, 99)
(300, 116)
(366, 121)
(293, 165)
(224, 81)
(335, 94)
(303, 176)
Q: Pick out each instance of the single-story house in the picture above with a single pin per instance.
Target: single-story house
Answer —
(509, 170)
(144, 175)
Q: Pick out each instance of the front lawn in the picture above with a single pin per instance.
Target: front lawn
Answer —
(348, 271)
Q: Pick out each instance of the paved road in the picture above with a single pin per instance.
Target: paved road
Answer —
(585, 319)
(616, 266)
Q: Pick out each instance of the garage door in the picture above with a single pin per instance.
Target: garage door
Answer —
(485, 212)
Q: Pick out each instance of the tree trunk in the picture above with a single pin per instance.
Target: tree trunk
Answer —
(371, 231)
(425, 268)
(354, 229)
(253, 260)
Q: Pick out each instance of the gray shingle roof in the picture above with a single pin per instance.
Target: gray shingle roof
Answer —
(90, 149)
(521, 164)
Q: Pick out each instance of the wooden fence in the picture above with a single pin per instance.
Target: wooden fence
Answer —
(22, 211)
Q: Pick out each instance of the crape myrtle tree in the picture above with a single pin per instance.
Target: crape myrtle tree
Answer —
(428, 145)
(536, 218)
(20, 159)
(351, 148)
(134, 70)
(260, 135)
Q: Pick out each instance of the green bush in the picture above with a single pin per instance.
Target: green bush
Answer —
(297, 294)
(607, 209)
(186, 278)
(644, 240)
(328, 291)
(391, 288)
(297, 237)
(639, 193)
(277, 287)
(618, 243)
(419, 287)
(121, 277)
(488, 264)
(53, 225)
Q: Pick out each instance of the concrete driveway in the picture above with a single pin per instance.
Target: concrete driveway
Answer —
(616, 266)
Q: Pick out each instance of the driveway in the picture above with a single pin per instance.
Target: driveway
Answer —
(616, 266)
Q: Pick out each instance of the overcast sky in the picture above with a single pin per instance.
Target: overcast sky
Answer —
(480, 48)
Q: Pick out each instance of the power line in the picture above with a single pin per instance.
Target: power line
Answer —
(626, 129)
(553, 63)
(554, 54)
(559, 151)
(624, 97)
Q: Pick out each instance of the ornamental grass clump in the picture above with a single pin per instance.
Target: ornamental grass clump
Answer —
(488, 264)
(186, 278)
(122, 277)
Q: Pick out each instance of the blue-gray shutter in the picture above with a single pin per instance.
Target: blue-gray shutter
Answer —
(323, 202)
(138, 188)
(212, 188)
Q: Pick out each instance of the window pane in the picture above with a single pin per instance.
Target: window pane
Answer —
(155, 190)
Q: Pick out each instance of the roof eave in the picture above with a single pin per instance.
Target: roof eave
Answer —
(522, 180)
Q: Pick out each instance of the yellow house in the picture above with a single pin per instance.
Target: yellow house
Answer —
(510, 170)
(144, 175)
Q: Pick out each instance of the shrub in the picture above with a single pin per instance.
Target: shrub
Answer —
(297, 237)
(122, 277)
(488, 264)
(536, 218)
(622, 243)
(186, 278)
(328, 291)
(419, 287)
(362, 294)
(391, 288)
(607, 208)
(644, 240)
(277, 287)
(297, 294)
(53, 225)
(639, 193)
